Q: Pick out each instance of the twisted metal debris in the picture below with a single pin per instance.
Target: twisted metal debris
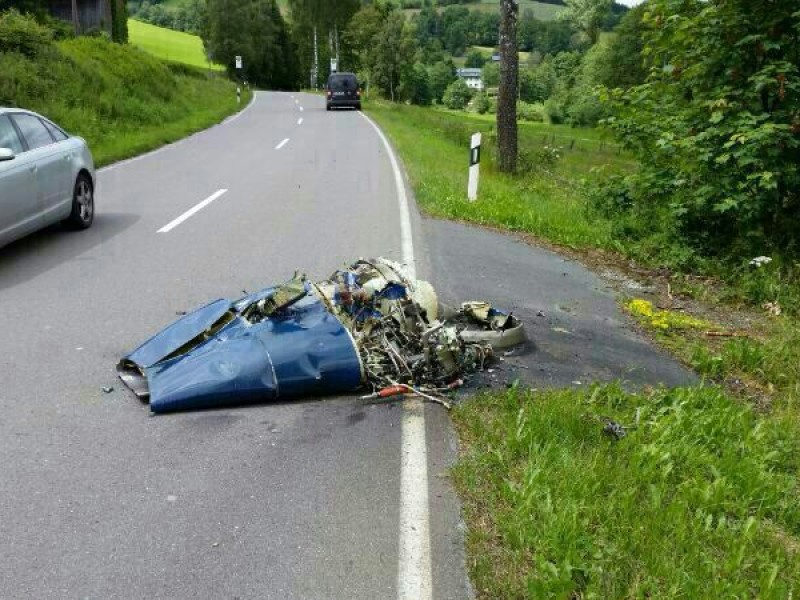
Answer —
(368, 325)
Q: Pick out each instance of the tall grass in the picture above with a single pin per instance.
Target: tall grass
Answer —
(698, 501)
(435, 148)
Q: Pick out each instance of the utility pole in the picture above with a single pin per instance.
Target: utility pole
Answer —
(507, 94)
(315, 68)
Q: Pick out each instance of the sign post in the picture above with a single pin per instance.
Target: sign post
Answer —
(474, 166)
(238, 88)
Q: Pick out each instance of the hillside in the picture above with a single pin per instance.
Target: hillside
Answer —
(174, 46)
(122, 100)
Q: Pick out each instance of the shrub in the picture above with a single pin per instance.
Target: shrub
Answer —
(21, 33)
(530, 112)
(481, 103)
(554, 110)
(457, 95)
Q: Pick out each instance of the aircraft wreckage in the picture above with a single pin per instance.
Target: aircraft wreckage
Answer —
(367, 327)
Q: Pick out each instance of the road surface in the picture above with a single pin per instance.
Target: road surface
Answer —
(312, 499)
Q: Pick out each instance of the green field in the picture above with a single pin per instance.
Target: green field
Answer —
(174, 46)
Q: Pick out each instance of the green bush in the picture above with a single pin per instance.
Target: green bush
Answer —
(481, 103)
(23, 34)
(555, 111)
(530, 112)
(457, 95)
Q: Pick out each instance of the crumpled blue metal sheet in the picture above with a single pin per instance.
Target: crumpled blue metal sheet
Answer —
(303, 350)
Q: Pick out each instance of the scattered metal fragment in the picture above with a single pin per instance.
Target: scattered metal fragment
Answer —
(108, 389)
(368, 325)
(614, 430)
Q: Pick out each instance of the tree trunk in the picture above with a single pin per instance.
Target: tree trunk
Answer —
(507, 94)
(76, 23)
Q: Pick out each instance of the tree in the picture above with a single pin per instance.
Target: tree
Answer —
(256, 31)
(329, 18)
(440, 76)
(716, 128)
(416, 85)
(507, 96)
(394, 53)
(361, 36)
(474, 59)
(623, 63)
(587, 16)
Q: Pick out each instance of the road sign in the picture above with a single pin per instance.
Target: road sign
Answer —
(238, 62)
(334, 65)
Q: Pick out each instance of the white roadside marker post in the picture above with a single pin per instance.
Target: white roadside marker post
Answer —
(474, 167)
(238, 88)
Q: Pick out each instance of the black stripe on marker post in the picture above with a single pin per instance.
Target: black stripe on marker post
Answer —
(475, 156)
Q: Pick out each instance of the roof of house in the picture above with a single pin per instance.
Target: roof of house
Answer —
(469, 72)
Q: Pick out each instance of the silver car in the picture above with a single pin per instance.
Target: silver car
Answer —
(46, 176)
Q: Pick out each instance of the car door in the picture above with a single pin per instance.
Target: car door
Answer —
(19, 199)
(70, 150)
(52, 170)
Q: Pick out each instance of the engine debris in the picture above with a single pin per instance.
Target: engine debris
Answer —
(368, 325)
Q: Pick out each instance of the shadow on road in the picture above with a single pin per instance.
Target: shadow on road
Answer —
(46, 249)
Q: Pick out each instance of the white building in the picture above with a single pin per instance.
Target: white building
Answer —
(473, 77)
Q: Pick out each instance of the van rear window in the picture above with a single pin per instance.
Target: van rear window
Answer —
(342, 82)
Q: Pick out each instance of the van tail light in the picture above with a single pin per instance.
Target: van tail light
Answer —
(358, 93)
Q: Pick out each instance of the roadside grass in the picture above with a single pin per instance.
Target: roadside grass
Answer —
(434, 146)
(174, 46)
(699, 499)
(122, 100)
(758, 362)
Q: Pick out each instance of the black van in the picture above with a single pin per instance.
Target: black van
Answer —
(342, 90)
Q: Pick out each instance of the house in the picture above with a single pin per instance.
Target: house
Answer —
(86, 15)
(472, 77)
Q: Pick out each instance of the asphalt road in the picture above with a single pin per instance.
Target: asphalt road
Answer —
(288, 500)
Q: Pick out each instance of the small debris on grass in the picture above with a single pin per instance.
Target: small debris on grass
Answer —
(614, 430)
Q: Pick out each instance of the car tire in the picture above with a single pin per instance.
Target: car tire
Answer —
(327, 107)
(82, 213)
(358, 106)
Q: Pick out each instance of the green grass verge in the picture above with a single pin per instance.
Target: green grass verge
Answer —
(699, 501)
(434, 145)
(122, 100)
(174, 46)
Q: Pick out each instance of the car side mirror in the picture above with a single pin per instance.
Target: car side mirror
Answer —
(6, 154)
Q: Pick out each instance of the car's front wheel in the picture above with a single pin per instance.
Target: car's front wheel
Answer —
(82, 213)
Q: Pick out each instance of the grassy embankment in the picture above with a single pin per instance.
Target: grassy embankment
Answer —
(173, 46)
(699, 499)
(122, 100)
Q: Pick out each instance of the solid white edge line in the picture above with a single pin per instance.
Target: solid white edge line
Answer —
(301, 109)
(282, 144)
(196, 208)
(300, 121)
(414, 579)
(133, 159)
